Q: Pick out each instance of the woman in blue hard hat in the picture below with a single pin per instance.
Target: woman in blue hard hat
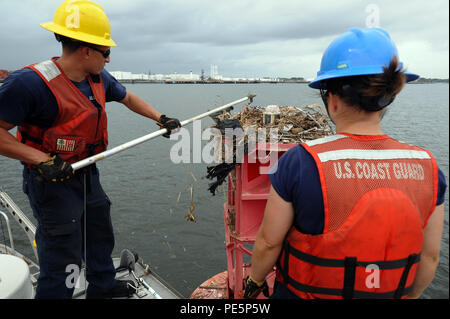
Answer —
(357, 214)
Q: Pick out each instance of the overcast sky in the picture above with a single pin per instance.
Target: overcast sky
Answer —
(247, 38)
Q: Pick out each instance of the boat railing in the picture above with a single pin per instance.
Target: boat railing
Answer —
(8, 225)
(28, 227)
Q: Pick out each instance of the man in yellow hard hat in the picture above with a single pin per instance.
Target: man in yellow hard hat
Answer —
(59, 108)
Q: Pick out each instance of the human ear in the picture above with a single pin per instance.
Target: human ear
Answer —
(85, 52)
(333, 102)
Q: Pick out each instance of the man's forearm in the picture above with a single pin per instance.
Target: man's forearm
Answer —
(10, 147)
(139, 106)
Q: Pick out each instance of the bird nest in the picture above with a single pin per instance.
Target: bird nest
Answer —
(295, 125)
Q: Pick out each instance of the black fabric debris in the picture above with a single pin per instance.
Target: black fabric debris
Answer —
(221, 171)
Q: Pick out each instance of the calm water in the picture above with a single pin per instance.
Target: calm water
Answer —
(144, 184)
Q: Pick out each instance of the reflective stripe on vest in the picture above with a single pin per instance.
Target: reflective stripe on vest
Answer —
(378, 195)
(48, 70)
(372, 155)
(80, 128)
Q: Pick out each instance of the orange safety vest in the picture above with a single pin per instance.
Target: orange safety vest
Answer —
(80, 128)
(378, 194)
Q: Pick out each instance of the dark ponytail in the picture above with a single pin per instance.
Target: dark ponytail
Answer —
(371, 93)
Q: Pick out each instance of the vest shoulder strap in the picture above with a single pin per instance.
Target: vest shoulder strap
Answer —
(47, 70)
(326, 139)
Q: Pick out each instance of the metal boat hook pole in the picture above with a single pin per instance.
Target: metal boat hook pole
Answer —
(145, 138)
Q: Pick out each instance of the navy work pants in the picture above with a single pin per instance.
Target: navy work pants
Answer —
(59, 211)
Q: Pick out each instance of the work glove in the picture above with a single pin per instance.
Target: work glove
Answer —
(168, 123)
(55, 169)
(253, 288)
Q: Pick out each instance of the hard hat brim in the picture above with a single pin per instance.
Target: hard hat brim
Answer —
(318, 82)
(80, 36)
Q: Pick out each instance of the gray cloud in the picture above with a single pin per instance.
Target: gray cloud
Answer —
(243, 37)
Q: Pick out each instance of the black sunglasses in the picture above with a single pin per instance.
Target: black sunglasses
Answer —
(104, 53)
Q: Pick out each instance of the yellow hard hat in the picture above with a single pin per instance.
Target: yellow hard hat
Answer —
(81, 20)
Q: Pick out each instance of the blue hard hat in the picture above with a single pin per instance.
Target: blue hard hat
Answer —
(358, 52)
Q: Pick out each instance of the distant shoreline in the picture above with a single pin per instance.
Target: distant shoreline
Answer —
(193, 82)
(282, 81)
(419, 81)
(209, 81)
(428, 81)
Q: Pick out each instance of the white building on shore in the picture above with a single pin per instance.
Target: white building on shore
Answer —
(190, 77)
(120, 75)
